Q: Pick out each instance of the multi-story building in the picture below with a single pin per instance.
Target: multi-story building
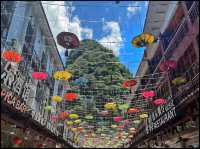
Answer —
(25, 29)
(175, 124)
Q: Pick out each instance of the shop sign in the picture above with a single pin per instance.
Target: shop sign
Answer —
(16, 87)
(14, 101)
(44, 122)
(160, 116)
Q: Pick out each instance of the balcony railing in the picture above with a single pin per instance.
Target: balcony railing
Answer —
(194, 11)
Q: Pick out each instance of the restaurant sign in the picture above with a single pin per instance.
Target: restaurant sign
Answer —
(160, 116)
(15, 87)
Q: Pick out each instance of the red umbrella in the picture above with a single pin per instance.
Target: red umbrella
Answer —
(166, 65)
(129, 83)
(148, 94)
(70, 96)
(63, 115)
(68, 40)
(133, 110)
(39, 75)
(12, 56)
(126, 121)
(16, 140)
(160, 101)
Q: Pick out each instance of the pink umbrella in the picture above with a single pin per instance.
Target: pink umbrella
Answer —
(166, 65)
(39, 75)
(148, 94)
(126, 121)
(117, 118)
(160, 101)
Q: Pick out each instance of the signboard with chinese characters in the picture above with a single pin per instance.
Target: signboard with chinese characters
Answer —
(15, 86)
(160, 116)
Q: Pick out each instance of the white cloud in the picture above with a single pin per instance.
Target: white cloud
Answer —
(60, 20)
(114, 36)
(133, 9)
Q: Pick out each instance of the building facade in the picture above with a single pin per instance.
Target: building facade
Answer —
(175, 124)
(25, 29)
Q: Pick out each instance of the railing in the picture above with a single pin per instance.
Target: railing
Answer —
(194, 11)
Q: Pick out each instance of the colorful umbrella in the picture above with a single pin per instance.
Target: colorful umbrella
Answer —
(48, 108)
(56, 98)
(159, 101)
(62, 75)
(167, 65)
(73, 116)
(147, 94)
(11, 56)
(70, 96)
(110, 106)
(117, 118)
(144, 115)
(179, 80)
(123, 107)
(133, 110)
(129, 83)
(143, 40)
(39, 75)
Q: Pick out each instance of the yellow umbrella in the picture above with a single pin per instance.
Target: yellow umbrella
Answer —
(110, 106)
(56, 98)
(142, 116)
(179, 80)
(62, 75)
(48, 108)
(73, 116)
(69, 123)
(77, 121)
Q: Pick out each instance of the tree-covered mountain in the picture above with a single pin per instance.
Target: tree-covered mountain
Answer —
(94, 62)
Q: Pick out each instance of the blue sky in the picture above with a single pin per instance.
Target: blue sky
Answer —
(113, 25)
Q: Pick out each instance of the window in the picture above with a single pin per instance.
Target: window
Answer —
(7, 10)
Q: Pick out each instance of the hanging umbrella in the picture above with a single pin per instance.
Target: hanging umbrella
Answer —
(11, 56)
(179, 80)
(62, 75)
(142, 40)
(144, 115)
(167, 65)
(129, 83)
(48, 108)
(39, 75)
(56, 98)
(63, 115)
(117, 118)
(147, 94)
(110, 106)
(67, 40)
(126, 121)
(89, 117)
(159, 101)
(73, 116)
(136, 121)
(70, 96)
(77, 121)
(123, 107)
(133, 110)
(103, 113)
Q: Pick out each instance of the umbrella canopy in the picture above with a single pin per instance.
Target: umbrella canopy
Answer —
(12, 56)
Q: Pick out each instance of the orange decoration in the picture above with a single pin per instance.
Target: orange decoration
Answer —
(129, 83)
(12, 56)
(63, 115)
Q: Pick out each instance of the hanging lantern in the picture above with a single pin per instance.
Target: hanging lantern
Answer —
(63, 115)
(110, 106)
(133, 110)
(129, 83)
(159, 101)
(142, 116)
(16, 140)
(73, 116)
(167, 65)
(117, 118)
(48, 108)
(56, 98)
(67, 40)
(70, 96)
(11, 56)
(88, 117)
(39, 75)
(148, 94)
(123, 107)
(179, 80)
(143, 40)
(62, 75)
